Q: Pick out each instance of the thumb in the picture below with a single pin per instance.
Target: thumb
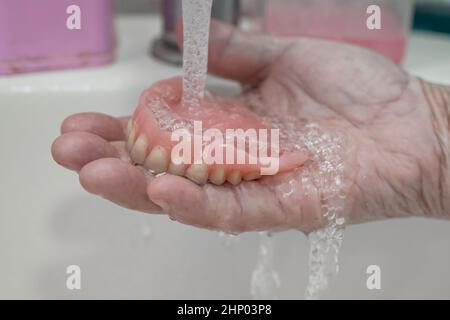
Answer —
(188, 206)
(238, 55)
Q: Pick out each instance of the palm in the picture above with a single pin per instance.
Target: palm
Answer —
(340, 88)
(379, 109)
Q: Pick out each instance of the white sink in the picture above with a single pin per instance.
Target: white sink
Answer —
(48, 222)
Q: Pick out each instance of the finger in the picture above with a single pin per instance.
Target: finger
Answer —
(105, 126)
(119, 182)
(249, 207)
(74, 150)
(239, 55)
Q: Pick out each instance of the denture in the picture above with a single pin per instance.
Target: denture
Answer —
(161, 113)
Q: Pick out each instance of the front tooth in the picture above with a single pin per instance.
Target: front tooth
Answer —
(234, 178)
(129, 127)
(177, 169)
(218, 176)
(252, 176)
(198, 173)
(158, 160)
(139, 151)
(131, 139)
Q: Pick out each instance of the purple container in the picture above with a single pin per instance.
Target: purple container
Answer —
(34, 35)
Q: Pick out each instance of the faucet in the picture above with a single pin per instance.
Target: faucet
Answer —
(165, 47)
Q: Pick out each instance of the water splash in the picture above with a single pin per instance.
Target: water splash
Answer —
(326, 173)
(228, 239)
(196, 20)
(323, 176)
(146, 230)
(265, 281)
(323, 262)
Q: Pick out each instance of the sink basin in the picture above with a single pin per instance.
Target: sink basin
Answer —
(47, 222)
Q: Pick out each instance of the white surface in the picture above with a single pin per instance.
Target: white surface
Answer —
(48, 222)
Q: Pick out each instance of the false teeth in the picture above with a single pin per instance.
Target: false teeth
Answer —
(139, 150)
(197, 173)
(177, 169)
(129, 127)
(252, 176)
(131, 139)
(158, 160)
(218, 176)
(234, 178)
(160, 114)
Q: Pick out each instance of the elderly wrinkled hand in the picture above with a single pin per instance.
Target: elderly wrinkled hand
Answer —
(392, 127)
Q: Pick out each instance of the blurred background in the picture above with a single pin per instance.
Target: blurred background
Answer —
(47, 222)
(137, 6)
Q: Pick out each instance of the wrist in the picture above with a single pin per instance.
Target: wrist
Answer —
(438, 99)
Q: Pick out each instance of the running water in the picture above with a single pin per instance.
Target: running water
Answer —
(265, 280)
(196, 20)
(324, 174)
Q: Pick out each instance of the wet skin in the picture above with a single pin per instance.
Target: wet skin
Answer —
(393, 156)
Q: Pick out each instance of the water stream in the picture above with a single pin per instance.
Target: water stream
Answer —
(325, 174)
(196, 20)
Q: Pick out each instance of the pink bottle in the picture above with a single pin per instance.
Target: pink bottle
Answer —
(343, 20)
(34, 35)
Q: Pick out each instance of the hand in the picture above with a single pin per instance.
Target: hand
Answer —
(390, 148)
